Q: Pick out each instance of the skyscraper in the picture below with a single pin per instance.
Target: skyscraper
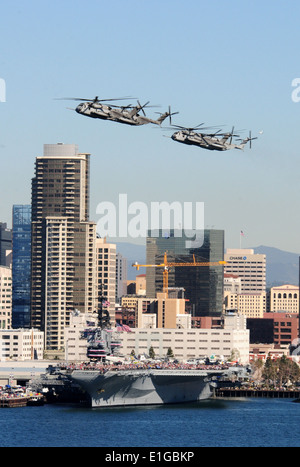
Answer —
(121, 276)
(21, 266)
(106, 276)
(204, 284)
(250, 267)
(5, 243)
(63, 241)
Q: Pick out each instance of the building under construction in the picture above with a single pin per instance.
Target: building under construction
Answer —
(203, 285)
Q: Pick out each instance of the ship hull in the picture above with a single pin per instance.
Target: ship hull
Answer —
(144, 387)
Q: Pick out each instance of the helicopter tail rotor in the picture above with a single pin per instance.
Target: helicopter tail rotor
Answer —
(170, 114)
(250, 139)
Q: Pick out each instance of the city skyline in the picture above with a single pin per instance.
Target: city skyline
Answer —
(228, 66)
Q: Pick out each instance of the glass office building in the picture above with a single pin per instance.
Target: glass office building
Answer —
(203, 284)
(21, 266)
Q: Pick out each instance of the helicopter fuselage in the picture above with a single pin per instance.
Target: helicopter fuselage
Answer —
(104, 112)
(94, 110)
(127, 115)
(197, 139)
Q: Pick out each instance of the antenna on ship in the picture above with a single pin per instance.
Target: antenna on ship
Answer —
(103, 314)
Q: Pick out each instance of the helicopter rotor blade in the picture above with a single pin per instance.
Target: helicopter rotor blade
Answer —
(188, 128)
(200, 127)
(196, 128)
(141, 107)
(95, 99)
(232, 131)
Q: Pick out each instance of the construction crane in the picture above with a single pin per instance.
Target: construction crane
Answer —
(166, 265)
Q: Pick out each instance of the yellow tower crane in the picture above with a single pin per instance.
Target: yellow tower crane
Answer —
(167, 265)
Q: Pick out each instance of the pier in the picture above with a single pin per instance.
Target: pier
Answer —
(16, 372)
(13, 402)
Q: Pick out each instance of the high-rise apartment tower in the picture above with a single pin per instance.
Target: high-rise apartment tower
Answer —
(63, 242)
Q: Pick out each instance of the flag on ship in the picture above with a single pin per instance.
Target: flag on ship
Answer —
(123, 327)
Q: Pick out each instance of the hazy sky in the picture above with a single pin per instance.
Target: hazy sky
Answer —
(219, 62)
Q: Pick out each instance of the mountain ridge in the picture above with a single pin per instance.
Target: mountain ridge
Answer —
(282, 266)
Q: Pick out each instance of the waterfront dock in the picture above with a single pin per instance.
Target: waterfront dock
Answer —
(13, 402)
(20, 373)
(21, 401)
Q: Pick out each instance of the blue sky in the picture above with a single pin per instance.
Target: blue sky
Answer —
(219, 62)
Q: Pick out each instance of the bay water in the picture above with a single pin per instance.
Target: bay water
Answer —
(212, 423)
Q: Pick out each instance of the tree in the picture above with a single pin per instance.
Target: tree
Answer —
(234, 356)
(151, 353)
(281, 371)
(269, 372)
(288, 371)
(257, 368)
(170, 353)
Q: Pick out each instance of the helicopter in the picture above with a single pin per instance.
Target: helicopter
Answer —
(211, 141)
(97, 108)
(130, 115)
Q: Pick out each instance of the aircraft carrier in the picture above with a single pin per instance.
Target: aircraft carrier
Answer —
(147, 386)
(126, 386)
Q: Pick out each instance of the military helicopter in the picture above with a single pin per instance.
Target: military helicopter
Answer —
(95, 108)
(212, 141)
(130, 115)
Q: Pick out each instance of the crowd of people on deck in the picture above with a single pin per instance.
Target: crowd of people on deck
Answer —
(143, 365)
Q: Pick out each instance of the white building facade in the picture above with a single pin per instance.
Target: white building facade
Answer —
(5, 297)
(284, 298)
(250, 267)
(251, 305)
(21, 344)
(75, 345)
(191, 343)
